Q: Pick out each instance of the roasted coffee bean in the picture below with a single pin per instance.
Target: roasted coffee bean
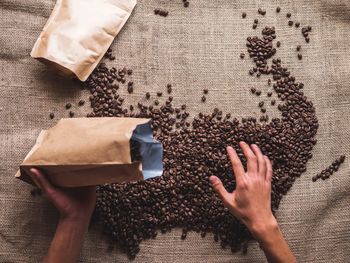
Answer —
(81, 102)
(148, 95)
(244, 15)
(297, 24)
(290, 23)
(256, 21)
(261, 104)
(169, 88)
(242, 55)
(71, 114)
(278, 9)
(52, 115)
(159, 93)
(204, 98)
(263, 110)
(68, 106)
(129, 71)
(156, 102)
(326, 173)
(258, 92)
(186, 4)
(255, 26)
(269, 94)
(205, 91)
(130, 89)
(278, 44)
(253, 90)
(300, 56)
(289, 15)
(194, 150)
(298, 47)
(273, 102)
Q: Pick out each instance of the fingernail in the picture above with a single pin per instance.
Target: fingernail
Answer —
(213, 179)
(229, 148)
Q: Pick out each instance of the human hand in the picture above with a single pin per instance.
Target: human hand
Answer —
(250, 202)
(76, 204)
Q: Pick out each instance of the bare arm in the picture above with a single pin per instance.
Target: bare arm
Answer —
(75, 206)
(251, 202)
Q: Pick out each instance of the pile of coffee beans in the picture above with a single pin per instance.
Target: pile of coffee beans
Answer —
(195, 150)
(326, 173)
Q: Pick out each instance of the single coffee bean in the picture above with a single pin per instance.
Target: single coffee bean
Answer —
(71, 114)
(290, 23)
(297, 24)
(278, 9)
(300, 56)
(68, 106)
(81, 102)
(204, 98)
(298, 47)
(269, 94)
(261, 104)
(244, 15)
(242, 55)
(52, 115)
(253, 90)
(273, 102)
(289, 15)
(148, 95)
(258, 92)
(159, 93)
(278, 43)
(205, 91)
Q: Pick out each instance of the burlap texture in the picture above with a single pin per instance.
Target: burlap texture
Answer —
(192, 48)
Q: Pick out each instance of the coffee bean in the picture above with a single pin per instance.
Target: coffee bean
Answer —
(261, 104)
(169, 88)
(278, 9)
(156, 102)
(81, 102)
(269, 94)
(204, 98)
(256, 21)
(255, 26)
(52, 115)
(159, 93)
(278, 44)
(326, 173)
(130, 89)
(298, 47)
(253, 90)
(300, 56)
(68, 106)
(258, 92)
(244, 15)
(195, 149)
(148, 95)
(273, 102)
(290, 23)
(186, 4)
(129, 71)
(71, 114)
(297, 24)
(263, 110)
(205, 91)
(242, 55)
(289, 15)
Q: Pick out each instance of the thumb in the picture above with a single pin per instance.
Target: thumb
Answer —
(219, 189)
(42, 182)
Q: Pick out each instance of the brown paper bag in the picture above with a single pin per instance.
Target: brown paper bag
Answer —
(88, 151)
(78, 34)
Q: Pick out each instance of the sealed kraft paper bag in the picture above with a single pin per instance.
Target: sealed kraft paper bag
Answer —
(78, 34)
(93, 151)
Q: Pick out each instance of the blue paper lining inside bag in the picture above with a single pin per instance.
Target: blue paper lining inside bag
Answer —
(151, 151)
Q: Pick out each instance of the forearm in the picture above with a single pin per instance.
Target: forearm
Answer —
(68, 240)
(274, 245)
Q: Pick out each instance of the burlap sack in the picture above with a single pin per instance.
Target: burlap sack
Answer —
(193, 48)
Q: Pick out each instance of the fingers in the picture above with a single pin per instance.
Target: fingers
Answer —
(261, 160)
(220, 189)
(252, 164)
(268, 169)
(41, 181)
(236, 163)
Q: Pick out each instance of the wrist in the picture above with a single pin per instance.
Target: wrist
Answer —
(264, 228)
(75, 219)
